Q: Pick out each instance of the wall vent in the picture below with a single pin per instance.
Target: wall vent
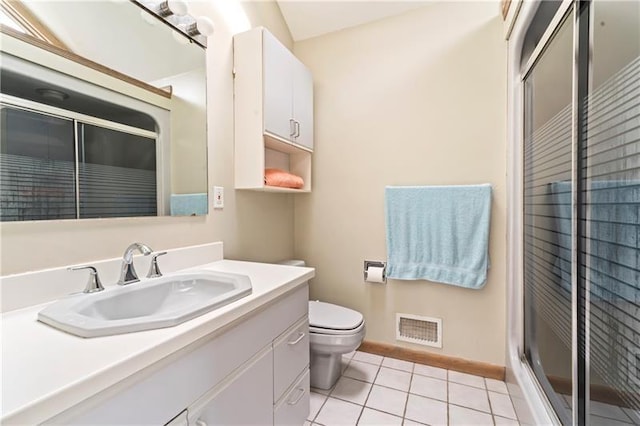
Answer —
(421, 330)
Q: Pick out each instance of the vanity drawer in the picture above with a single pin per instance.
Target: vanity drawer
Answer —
(294, 407)
(290, 356)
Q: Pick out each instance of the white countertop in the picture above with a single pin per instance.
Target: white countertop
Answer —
(46, 371)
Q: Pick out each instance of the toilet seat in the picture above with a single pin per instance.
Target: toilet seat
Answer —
(326, 318)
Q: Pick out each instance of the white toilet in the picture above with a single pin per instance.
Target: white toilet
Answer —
(333, 331)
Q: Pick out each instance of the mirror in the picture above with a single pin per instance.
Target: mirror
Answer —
(107, 118)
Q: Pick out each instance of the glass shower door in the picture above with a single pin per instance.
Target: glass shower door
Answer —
(548, 218)
(582, 213)
(610, 159)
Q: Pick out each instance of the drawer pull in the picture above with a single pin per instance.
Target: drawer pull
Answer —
(300, 395)
(300, 337)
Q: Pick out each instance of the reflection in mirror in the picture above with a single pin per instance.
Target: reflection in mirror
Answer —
(111, 125)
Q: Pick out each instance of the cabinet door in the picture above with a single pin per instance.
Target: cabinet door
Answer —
(247, 400)
(278, 87)
(290, 357)
(303, 104)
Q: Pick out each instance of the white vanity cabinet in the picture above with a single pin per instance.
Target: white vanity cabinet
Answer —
(245, 400)
(255, 371)
(273, 107)
(271, 388)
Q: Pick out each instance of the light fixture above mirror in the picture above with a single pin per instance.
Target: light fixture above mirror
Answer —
(176, 14)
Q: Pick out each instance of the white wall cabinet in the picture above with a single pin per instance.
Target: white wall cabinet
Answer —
(256, 372)
(273, 106)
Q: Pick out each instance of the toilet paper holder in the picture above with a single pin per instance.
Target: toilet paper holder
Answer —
(375, 264)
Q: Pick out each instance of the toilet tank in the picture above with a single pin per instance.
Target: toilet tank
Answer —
(292, 262)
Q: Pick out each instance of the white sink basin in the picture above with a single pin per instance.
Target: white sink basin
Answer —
(149, 304)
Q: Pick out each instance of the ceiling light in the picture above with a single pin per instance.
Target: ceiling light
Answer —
(52, 94)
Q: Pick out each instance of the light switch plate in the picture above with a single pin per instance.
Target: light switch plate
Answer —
(218, 197)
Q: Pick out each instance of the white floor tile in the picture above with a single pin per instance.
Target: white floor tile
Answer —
(344, 363)
(315, 403)
(496, 385)
(367, 357)
(374, 418)
(307, 423)
(398, 364)
(466, 379)
(395, 379)
(429, 387)
(361, 371)
(321, 391)
(464, 416)
(610, 411)
(501, 405)
(427, 370)
(388, 400)
(501, 421)
(425, 410)
(412, 423)
(469, 397)
(338, 412)
(349, 355)
(351, 390)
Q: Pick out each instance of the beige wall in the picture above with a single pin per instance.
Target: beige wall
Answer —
(252, 225)
(414, 99)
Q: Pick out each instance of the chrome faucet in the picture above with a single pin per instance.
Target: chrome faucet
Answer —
(128, 272)
(93, 285)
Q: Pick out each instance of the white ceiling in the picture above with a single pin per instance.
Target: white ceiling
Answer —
(307, 19)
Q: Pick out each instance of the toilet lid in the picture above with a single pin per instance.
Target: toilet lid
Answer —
(333, 317)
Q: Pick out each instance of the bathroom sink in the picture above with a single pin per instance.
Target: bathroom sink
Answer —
(149, 304)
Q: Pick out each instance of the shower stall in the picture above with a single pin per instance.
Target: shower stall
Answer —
(574, 308)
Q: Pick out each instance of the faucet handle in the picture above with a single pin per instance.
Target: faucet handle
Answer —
(93, 284)
(154, 270)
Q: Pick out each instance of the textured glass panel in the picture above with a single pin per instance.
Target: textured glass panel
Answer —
(37, 158)
(611, 230)
(117, 173)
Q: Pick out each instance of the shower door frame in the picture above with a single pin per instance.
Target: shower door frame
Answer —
(518, 369)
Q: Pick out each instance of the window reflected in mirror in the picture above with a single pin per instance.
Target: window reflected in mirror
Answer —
(111, 125)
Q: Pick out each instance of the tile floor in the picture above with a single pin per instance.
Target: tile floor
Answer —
(375, 390)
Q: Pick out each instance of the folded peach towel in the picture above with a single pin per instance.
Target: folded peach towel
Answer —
(278, 177)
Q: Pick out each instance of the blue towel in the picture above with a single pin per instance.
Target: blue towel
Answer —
(189, 204)
(438, 233)
(610, 233)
